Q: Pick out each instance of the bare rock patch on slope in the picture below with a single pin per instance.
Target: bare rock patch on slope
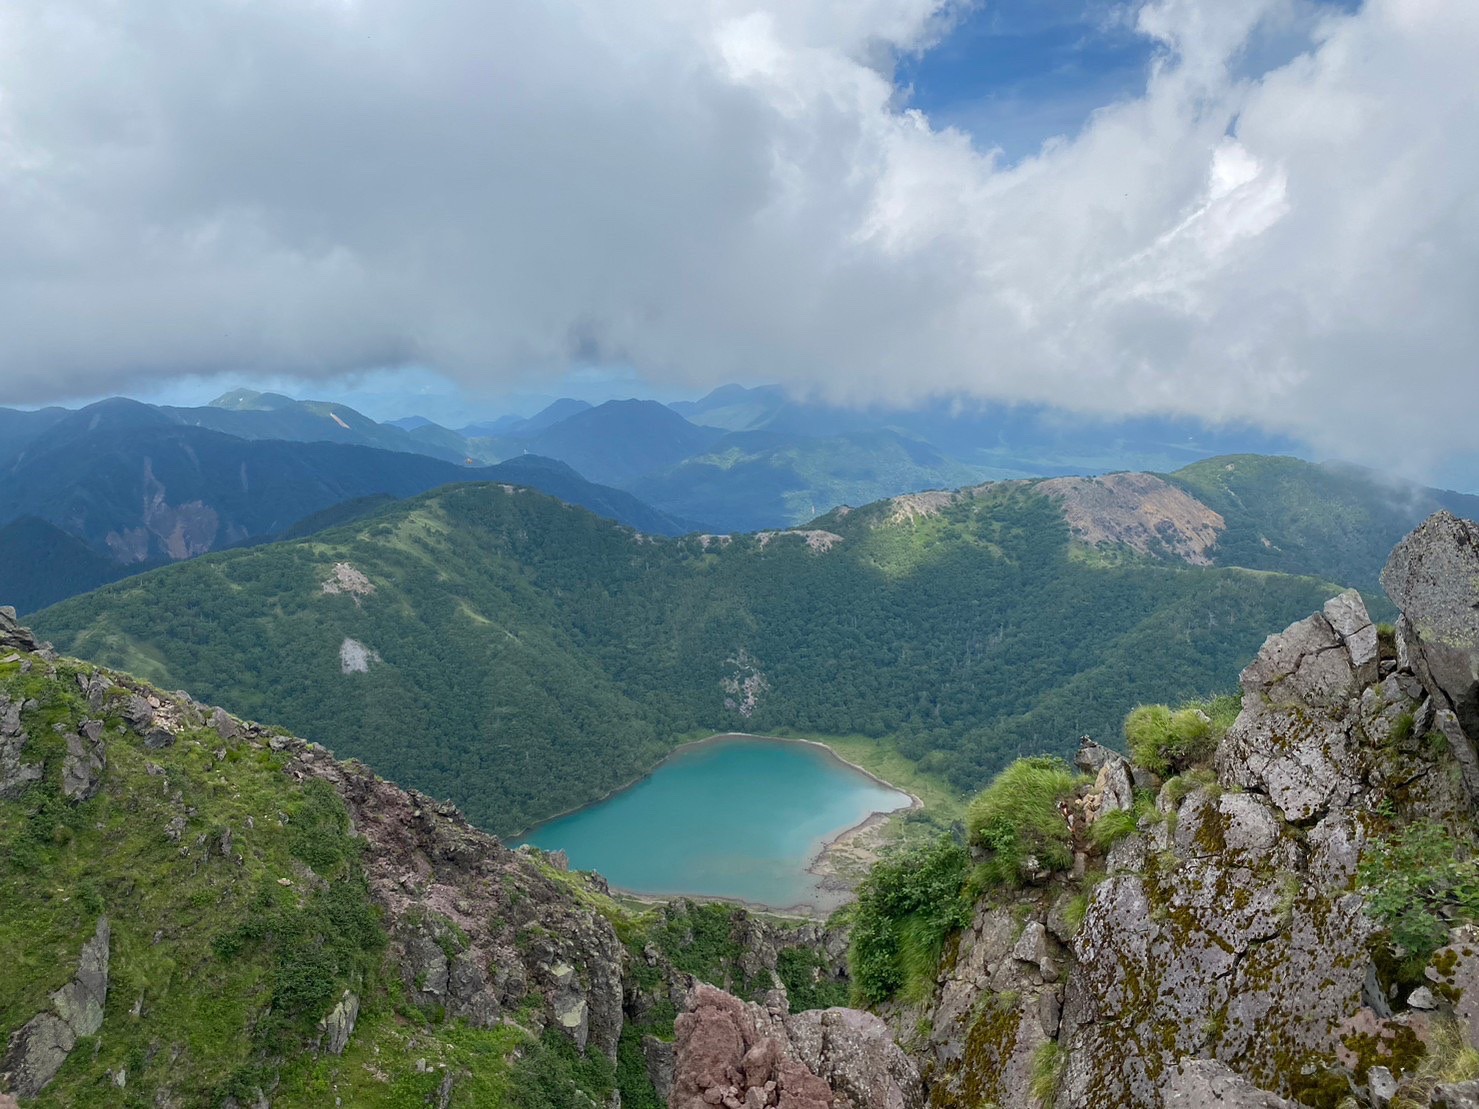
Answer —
(1140, 511)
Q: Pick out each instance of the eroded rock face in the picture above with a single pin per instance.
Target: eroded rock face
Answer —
(477, 929)
(1233, 932)
(1433, 577)
(37, 1050)
(745, 1056)
(14, 636)
(82, 770)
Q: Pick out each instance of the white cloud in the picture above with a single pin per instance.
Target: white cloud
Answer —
(724, 188)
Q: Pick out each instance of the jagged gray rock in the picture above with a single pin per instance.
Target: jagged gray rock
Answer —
(1433, 577)
(338, 1026)
(14, 636)
(37, 1050)
(1349, 620)
(855, 1054)
(1455, 1095)
(1454, 971)
(82, 769)
(1240, 940)
(16, 775)
(1199, 1083)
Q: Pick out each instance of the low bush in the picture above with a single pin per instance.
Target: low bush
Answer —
(1417, 881)
(1017, 820)
(906, 908)
(1165, 740)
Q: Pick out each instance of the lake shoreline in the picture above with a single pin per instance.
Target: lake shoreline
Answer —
(819, 866)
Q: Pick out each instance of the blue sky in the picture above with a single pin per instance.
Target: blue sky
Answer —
(1017, 72)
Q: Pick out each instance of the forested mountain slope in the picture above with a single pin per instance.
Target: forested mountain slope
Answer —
(523, 657)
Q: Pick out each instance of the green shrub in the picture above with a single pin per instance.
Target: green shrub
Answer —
(1016, 819)
(1163, 740)
(1416, 882)
(907, 906)
(803, 971)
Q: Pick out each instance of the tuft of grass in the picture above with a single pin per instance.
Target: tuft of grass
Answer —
(907, 907)
(1451, 1057)
(1047, 1071)
(1111, 827)
(1017, 820)
(1164, 740)
(1178, 788)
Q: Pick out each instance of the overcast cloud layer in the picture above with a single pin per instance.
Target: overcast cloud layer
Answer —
(713, 189)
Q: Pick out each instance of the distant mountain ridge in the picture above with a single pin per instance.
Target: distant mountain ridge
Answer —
(968, 625)
(120, 486)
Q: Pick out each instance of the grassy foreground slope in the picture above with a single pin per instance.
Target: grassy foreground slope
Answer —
(257, 922)
(523, 657)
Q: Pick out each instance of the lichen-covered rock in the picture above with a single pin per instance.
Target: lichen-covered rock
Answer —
(1233, 931)
(1454, 972)
(1349, 620)
(1455, 1095)
(38, 1049)
(855, 1054)
(1292, 740)
(1199, 1083)
(1433, 577)
(338, 1026)
(16, 775)
(82, 769)
(998, 1003)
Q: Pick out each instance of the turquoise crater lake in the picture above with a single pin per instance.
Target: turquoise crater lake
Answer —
(736, 817)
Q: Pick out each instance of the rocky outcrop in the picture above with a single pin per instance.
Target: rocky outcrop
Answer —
(82, 769)
(479, 932)
(745, 1056)
(16, 774)
(1433, 577)
(1237, 934)
(15, 637)
(37, 1050)
(1198, 1083)
(1226, 957)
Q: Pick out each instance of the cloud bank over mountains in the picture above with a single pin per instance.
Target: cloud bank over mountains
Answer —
(725, 189)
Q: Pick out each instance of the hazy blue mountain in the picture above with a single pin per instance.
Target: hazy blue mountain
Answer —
(751, 480)
(1006, 440)
(615, 442)
(251, 415)
(19, 427)
(41, 564)
(136, 488)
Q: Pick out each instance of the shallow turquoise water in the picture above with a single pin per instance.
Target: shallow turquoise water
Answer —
(736, 816)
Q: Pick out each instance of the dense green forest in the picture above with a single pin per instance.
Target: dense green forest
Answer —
(524, 657)
(1339, 522)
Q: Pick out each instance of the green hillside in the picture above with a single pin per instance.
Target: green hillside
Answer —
(522, 657)
(1335, 521)
(202, 912)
